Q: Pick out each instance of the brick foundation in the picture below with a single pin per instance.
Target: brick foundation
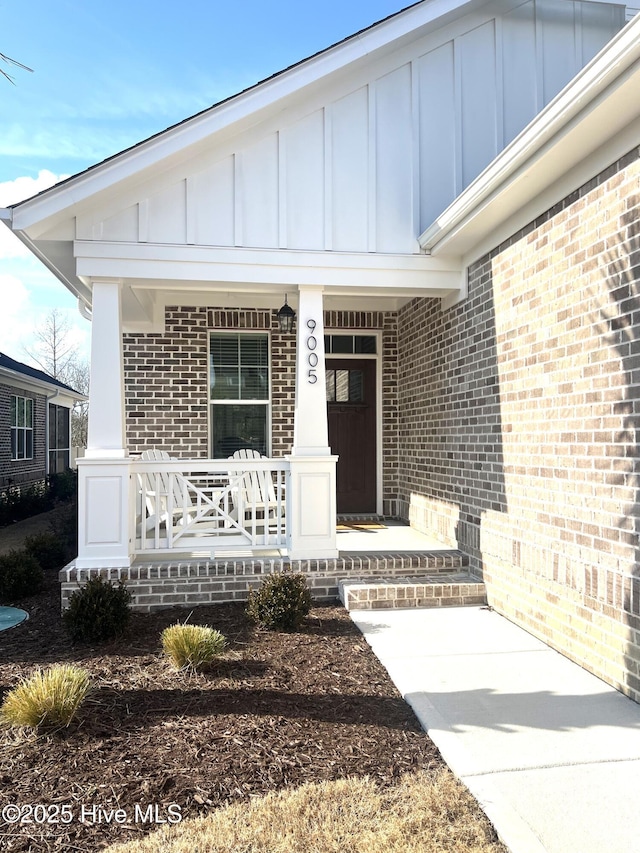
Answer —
(185, 583)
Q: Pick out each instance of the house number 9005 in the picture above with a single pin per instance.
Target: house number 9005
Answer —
(312, 356)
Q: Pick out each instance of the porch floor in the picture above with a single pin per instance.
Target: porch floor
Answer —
(383, 537)
(381, 563)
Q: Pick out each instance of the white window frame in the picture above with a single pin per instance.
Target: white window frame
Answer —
(267, 403)
(50, 449)
(21, 400)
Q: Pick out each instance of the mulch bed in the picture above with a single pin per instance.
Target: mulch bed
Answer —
(278, 710)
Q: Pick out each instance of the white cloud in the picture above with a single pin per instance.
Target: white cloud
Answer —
(15, 191)
(10, 246)
(16, 317)
(27, 289)
(24, 309)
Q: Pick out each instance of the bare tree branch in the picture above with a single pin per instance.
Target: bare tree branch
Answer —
(15, 62)
(54, 352)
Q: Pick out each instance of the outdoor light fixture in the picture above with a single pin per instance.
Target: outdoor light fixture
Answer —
(286, 318)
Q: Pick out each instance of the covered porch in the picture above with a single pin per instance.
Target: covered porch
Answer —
(184, 529)
(281, 498)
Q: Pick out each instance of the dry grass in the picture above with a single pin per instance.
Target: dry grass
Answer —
(192, 646)
(422, 813)
(49, 699)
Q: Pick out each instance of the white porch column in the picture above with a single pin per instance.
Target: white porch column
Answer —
(311, 492)
(106, 393)
(103, 473)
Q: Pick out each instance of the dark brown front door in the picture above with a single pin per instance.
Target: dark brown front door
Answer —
(351, 402)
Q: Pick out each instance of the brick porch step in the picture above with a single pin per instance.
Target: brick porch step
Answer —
(441, 589)
(192, 580)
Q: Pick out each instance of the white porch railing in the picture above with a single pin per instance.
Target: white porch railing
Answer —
(211, 505)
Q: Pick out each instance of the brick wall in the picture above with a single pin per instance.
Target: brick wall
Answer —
(519, 424)
(26, 471)
(166, 381)
(166, 385)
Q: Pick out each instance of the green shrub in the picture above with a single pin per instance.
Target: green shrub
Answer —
(18, 502)
(64, 526)
(63, 486)
(281, 602)
(191, 646)
(48, 699)
(97, 611)
(47, 549)
(20, 575)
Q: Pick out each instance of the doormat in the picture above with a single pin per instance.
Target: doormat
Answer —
(360, 525)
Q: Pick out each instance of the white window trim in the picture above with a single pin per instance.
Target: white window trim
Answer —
(211, 403)
(57, 449)
(25, 428)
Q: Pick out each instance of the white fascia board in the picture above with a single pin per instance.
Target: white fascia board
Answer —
(242, 106)
(39, 386)
(611, 69)
(65, 399)
(148, 265)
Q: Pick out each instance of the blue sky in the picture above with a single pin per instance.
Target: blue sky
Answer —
(109, 73)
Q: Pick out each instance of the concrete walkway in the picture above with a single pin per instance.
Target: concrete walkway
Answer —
(551, 752)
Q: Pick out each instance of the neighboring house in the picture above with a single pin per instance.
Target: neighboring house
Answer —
(461, 248)
(35, 424)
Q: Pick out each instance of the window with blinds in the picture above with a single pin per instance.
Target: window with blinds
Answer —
(239, 393)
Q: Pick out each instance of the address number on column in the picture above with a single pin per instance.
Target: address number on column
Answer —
(312, 357)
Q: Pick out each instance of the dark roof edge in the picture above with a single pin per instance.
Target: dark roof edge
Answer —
(213, 106)
(26, 370)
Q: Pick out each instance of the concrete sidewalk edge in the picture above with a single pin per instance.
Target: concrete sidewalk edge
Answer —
(511, 829)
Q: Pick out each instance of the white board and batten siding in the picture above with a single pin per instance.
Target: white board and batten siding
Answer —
(368, 168)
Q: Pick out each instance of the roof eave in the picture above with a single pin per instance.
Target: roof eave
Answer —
(500, 188)
(74, 285)
(22, 380)
(103, 175)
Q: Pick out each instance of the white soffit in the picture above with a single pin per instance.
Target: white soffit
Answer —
(551, 157)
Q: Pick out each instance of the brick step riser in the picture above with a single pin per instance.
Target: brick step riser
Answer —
(155, 586)
(459, 592)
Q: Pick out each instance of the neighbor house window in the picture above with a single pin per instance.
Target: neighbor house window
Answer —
(59, 438)
(239, 393)
(21, 428)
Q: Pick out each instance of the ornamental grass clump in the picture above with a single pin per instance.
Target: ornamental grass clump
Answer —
(281, 603)
(48, 700)
(192, 646)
